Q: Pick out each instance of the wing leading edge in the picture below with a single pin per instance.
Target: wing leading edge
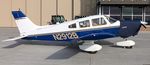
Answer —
(13, 39)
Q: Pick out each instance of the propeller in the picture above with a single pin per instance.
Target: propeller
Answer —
(144, 24)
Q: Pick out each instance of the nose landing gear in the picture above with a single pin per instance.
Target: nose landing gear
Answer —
(126, 44)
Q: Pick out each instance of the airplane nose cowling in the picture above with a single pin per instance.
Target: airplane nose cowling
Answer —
(129, 28)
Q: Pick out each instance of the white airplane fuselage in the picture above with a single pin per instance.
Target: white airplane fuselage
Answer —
(89, 28)
(62, 32)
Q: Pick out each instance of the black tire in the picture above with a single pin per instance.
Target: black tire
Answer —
(129, 47)
(93, 52)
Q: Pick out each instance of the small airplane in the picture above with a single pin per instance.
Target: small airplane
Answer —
(86, 29)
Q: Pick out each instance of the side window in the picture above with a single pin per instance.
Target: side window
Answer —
(72, 25)
(98, 21)
(84, 24)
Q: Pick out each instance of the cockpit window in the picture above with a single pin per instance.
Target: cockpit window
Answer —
(72, 25)
(110, 19)
(98, 21)
(84, 24)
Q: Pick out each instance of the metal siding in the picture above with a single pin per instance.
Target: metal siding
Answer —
(125, 2)
(88, 7)
(5, 13)
(33, 11)
(48, 9)
(77, 9)
(65, 8)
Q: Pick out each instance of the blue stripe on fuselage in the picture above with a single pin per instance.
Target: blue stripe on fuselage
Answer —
(81, 35)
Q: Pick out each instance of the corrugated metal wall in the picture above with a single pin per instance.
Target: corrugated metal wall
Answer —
(33, 10)
(40, 11)
(48, 9)
(5, 16)
(65, 8)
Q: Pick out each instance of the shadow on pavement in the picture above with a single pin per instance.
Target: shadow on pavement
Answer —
(64, 53)
(47, 43)
(116, 46)
(103, 42)
(18, 43)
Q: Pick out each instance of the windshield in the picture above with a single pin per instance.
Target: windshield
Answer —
(110, 19)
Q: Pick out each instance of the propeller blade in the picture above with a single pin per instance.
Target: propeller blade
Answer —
(144, 26)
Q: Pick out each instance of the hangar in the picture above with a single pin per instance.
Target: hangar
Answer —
(41, 11)
(126, 9)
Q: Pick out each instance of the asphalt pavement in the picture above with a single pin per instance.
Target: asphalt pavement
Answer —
(23, 52)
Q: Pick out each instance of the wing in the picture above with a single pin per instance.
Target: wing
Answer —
(12, 39)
